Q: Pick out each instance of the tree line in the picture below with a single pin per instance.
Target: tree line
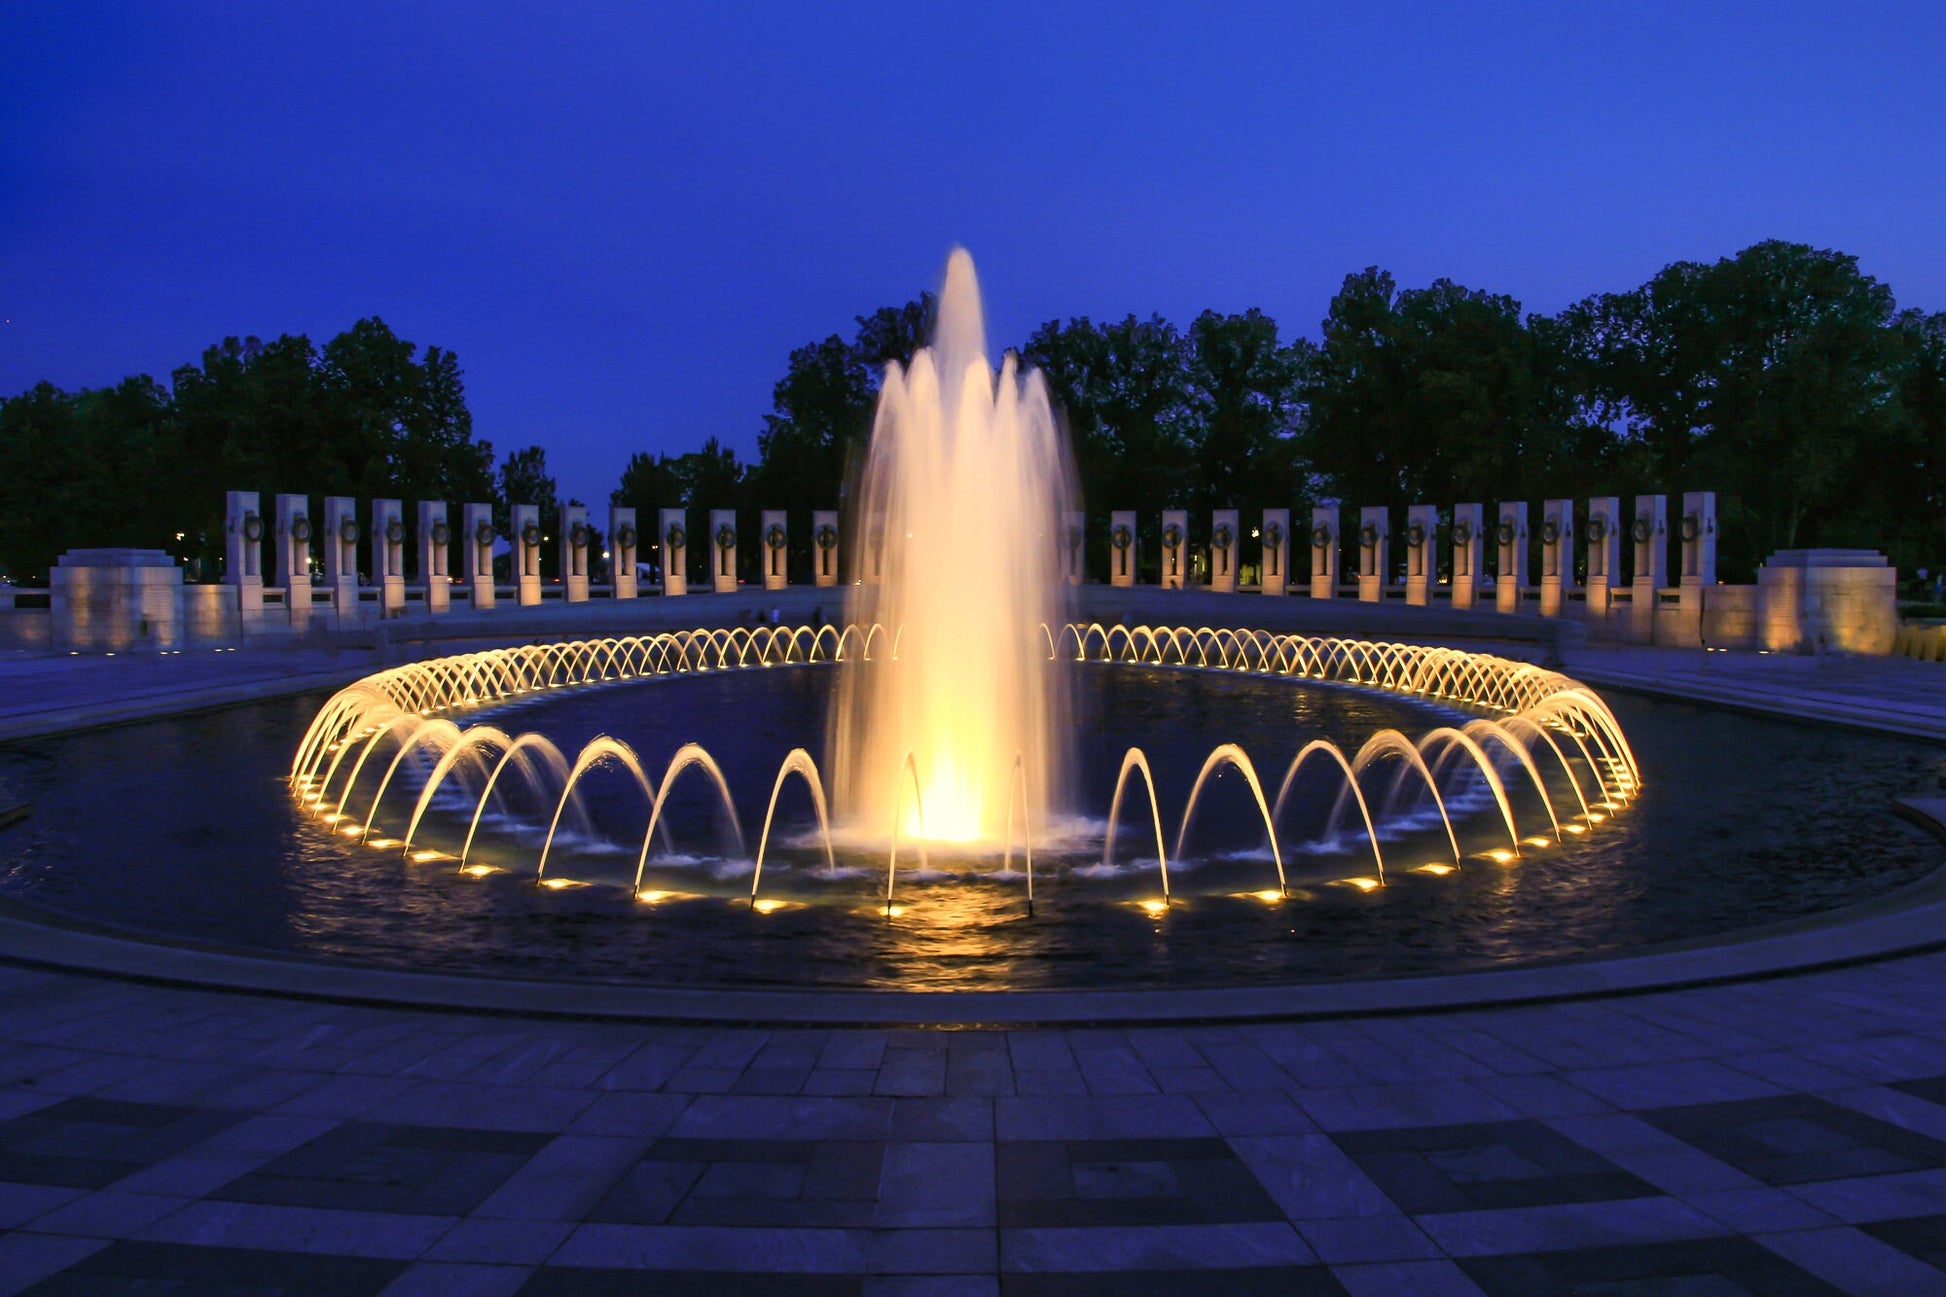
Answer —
(1782, 377)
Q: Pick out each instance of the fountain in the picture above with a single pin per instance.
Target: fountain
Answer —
(950, 728)
(970, 480)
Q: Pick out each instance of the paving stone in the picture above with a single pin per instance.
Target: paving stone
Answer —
(500, 1242)
(936, 1185)
(108, 1213)
(943, 1119)
(1155, 1247)
(1406, 1279)
(299, 1229)
(1573, 1225)
(1725, 1265)
(1107, 1117)
(1854, 1262)
(447, 1279)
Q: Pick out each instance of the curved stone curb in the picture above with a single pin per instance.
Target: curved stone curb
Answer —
(1908, 920)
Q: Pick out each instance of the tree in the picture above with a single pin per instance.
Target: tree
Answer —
(1123, 389)
(1244, 391)
(524, 480)
(1775, 375)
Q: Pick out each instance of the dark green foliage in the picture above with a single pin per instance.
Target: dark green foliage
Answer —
(139, 465)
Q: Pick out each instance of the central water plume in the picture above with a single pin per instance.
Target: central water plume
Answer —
(959, 527)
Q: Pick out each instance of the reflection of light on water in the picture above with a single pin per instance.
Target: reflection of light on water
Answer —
(1576, 829)
(1436, 868)
(768, 905)
(1155, 907)
(352, 830)
(383, 844)
(1500, 855)
(421, 857)
(1269, 896)
(1362, 884)
(556, 884)
(1534, 842)
(479, 871)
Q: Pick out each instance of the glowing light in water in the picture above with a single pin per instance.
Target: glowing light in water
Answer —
(960, 510)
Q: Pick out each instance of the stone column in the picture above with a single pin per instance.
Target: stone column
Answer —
(436, 555)
(873, 553)
(527, 542)
(1121, 547)
(388, 556)
(1175, 548)
(672, 526)
(1421, 541)
(1469, 553)
(623, 544)
(1649, 533)
(1324, 551)
(1698, 533)
(294, 557)
(1557, 556)
(776, 534)
(723, 550)
(1276, 534)
(575, 537)
(341, 535)
(1224, 545)
(243, 555)
(1695, 565)
(825, 537)
(1074, 548)
(1374, 544)
(1604, 541)
(478, 522)
(1510, 538)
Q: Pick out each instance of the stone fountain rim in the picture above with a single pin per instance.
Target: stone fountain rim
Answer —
(1905, 921)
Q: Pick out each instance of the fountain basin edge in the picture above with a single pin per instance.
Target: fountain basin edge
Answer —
(1905, 921)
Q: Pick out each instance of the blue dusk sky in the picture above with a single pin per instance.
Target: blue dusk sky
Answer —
(624, 216)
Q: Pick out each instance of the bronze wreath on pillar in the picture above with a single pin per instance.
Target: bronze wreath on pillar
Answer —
(1463, 532)
(1550, 532)
(1692, 526)
(1120, 538)
(394, 531)
(301, 529)
(827, 537)
(1320, 537)
(441, 533)
(578, 537)
(625, 535)
(483, 532)
(1415, 534)
(530, 535)
(253, 528)
(775, 537)
(1222, 536)
(1172, 536)
(726, 537)
(1273, 535)
(348, 531)
(1597, 529)
(1644, 529)
(1509, 531)
(1368, 535)
(677, 537)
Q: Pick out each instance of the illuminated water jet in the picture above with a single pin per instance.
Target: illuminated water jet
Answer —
(964, 488)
